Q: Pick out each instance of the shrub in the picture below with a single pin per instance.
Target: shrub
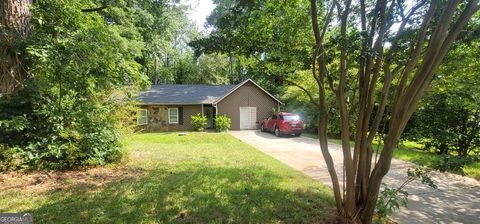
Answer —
(39, 133)
(446, 125)
(222, 123)
(199, 122)
(453, 163)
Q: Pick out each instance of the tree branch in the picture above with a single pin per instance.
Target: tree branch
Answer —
(95, 9)
(310, 96)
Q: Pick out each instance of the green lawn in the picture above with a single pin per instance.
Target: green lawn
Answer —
(199, 178)
(410, 151)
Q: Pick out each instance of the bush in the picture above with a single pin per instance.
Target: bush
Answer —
(453, 163)
(446, 126)
(39, 133)
(222, 123)
(199, 122)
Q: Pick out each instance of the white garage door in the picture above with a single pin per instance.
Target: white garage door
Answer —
(248, 117)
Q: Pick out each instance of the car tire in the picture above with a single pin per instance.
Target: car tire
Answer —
(262, 128)
(277, 132)
(297, 134)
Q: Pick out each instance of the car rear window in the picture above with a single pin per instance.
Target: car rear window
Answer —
(291, 117)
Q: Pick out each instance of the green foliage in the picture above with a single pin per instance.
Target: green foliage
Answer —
(56, 136)
(156, 33)
(199, 122)
(222, 123)
(268, 40)
(15, 123)
(297, 101)
(449, 163)
(420, 173)
(390, 199)
(446, 125)
(448, 118)
(75, 109)
(210, 69)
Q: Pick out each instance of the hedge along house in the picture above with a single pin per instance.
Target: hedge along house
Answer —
(170, 107)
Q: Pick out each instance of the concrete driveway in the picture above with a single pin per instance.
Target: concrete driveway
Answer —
(457, 199)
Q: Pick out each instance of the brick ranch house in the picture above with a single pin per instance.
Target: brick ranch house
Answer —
(170, 107)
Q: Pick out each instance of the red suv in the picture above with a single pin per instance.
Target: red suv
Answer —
(283, 123)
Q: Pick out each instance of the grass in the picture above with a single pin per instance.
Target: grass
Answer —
(410, 151)
(198, 178)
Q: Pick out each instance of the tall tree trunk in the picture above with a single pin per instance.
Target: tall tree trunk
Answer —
(230, 67)
(14, 28)
(362, 183)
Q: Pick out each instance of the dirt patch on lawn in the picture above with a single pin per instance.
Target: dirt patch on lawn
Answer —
(58, 180)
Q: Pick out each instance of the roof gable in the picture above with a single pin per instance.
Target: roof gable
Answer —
(243, 83)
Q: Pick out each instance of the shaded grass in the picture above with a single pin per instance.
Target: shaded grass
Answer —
(198, 178)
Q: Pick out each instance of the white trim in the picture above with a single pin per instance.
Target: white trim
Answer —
(168, 114)
(138, 116)
(240, 85)
(202, 110)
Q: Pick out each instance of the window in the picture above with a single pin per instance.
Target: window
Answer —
(142, 117)
(274, 117)
(173, 115)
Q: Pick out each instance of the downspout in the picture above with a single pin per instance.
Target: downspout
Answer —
(216, 114)
(216, 111)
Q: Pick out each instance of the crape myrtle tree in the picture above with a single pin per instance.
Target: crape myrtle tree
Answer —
(401, 46)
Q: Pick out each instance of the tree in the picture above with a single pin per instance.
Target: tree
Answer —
(455, 128)
(454, 99)
(397, 75)
(211, 69)
(14, 28)
(76, 101)
(267, 40)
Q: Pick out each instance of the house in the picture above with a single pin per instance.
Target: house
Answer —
(170, 107)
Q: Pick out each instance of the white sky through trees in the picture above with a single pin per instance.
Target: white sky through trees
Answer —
(199, 11)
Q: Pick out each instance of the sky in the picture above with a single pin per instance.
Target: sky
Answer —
(200, 9)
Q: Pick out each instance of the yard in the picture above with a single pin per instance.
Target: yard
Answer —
(198, 178)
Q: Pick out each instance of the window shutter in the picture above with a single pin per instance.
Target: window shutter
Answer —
(180, 115)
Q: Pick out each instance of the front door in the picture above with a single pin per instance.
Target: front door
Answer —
(208, 112)
(248, 117)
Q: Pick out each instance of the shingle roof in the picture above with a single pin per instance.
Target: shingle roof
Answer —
(183, 94)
